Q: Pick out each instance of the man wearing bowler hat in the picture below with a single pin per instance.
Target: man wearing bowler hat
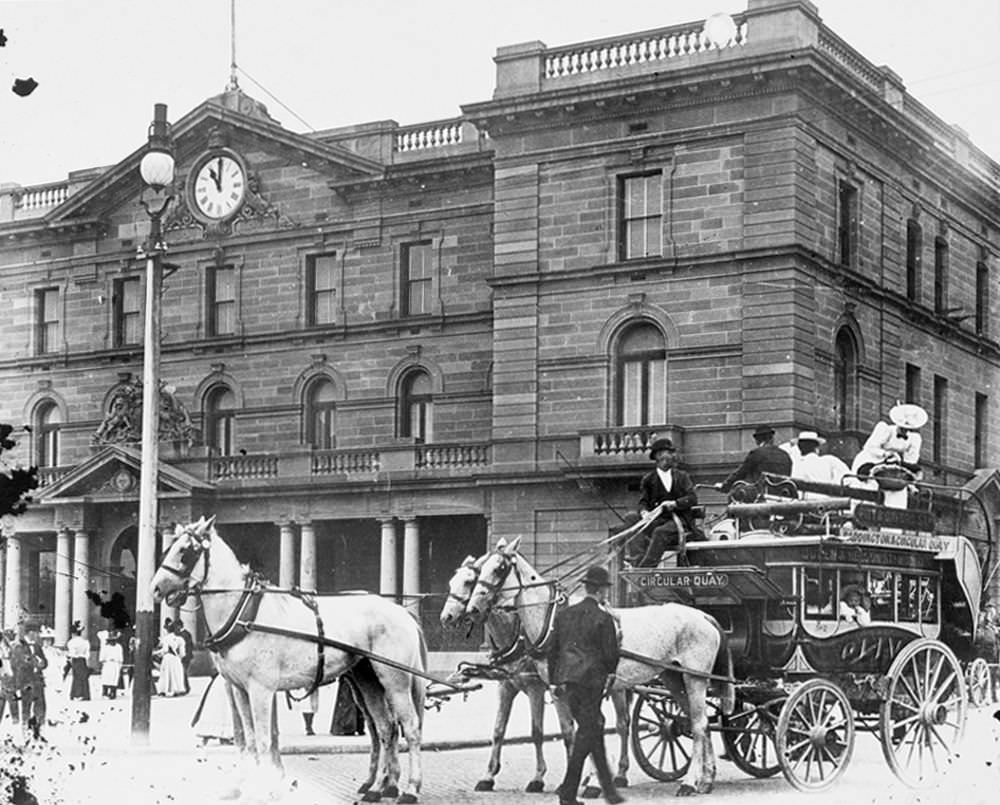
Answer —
(672, 487)
(582, 658)
(765, 457)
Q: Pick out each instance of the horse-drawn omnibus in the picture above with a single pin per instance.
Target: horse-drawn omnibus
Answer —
(843, 616)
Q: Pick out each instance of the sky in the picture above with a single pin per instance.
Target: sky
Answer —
(319, 64)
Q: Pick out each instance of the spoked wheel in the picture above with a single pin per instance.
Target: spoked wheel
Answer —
(748, 735)
(923, 716)
(977, 680)
(660, 735)
(815, 735)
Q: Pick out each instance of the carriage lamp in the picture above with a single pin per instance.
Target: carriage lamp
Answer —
(157, 171)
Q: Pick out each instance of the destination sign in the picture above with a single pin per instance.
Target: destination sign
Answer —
(699, 580)
(883, 517)
(917, 542)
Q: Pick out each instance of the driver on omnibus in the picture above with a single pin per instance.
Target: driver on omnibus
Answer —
(898, 443)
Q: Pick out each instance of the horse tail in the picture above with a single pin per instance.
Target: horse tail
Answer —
(724, 667)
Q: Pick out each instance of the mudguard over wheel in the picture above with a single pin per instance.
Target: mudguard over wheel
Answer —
(922, 720)
(815, 735)
(660, 735)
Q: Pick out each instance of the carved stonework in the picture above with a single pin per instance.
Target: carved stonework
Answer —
(123, 422)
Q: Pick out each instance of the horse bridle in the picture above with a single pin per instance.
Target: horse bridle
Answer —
(189, 555)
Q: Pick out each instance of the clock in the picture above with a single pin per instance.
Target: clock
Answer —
(219, 185)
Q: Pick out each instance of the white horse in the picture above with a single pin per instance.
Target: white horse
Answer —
(671, 635)
(518, 672)
(258, 663)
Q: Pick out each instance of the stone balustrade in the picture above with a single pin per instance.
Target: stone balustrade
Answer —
(429, 135)
(344, 462)
(50, 475)
(42, 197)
(447, 456)
(239, 468)
(625, 442)
(651, 46)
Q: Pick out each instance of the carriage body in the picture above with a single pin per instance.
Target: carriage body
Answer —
(801, 663)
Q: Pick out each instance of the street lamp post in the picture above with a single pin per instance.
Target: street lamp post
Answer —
(157, 169)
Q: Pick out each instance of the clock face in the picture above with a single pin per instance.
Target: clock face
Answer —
(219, 187)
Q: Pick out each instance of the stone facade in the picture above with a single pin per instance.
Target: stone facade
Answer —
(784, 170)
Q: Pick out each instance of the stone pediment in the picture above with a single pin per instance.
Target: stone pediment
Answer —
(113, 475)
(233, 119)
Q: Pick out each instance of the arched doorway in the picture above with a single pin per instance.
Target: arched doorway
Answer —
(122, 566)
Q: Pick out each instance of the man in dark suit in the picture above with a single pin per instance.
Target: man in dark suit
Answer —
(582, 658)
(765, 457)
(674, 488)
(29, 663)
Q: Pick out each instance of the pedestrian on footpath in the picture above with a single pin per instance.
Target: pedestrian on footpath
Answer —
(8, 692)
(582, 659)
(111, 665)
(29, 663)
(77, 657)
(182, 632)
(307, 705)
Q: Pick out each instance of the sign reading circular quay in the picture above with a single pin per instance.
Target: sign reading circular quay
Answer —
(703, 579)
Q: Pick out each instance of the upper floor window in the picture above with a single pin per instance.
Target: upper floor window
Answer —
(415, 278)
(979, 430)
(982, 299)
(912, 381)
(940, 275)
(321, 291)
(220, 420)
(938, 418)
(128, 311)
(221, 303)
(641, 216)
(320, 404)
(642, 376)
(416, 418)
(845, 371)
(48, 422)
(47, 320)
(847, 223)
(914, 245)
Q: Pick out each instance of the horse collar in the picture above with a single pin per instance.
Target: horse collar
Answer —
(237, 625)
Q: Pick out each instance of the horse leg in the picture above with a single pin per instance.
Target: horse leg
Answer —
(269, 765)
(506, 693)
(401, 703)
(243, 738)
(536, 696)
(701, 773)
(382, 726)
(567, 728)
(621, 700)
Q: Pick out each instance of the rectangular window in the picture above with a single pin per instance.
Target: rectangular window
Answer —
(47, 320)
(128, 311)
(847, 223)
(912, 384)
(940, 275)
(641, 216)
(982, 299)
(979, 437)
(320, 289)
(416, 273)
(644, 392)
(221, 300)
(940, 404)
(914, 244)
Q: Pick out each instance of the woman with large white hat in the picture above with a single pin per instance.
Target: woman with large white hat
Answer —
(898, 443)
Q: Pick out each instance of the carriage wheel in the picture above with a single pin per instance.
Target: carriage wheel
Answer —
(815, 735)
(748, 735)
(977, 680)
(923, 715)
(661, 738)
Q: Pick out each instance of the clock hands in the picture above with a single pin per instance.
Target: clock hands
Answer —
(216, 175)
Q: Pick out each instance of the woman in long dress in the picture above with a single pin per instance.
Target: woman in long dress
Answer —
(214, 716)
(111, 666)
(77, 654)
(171, 681)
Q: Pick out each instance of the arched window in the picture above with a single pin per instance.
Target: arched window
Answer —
(642, 376)
(415, 407)
(845, 370)
(48, 421)
(220, 413)
(319, 414)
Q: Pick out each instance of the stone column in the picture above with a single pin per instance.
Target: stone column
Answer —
(81, 578)
(64, 586)
(286, 556)
(166, 540)
(12, 585)
(307, 557)
(411, 565)
(388, 579)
